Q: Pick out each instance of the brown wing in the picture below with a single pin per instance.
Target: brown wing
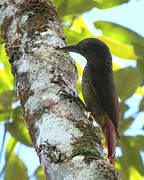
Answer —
(104, 87)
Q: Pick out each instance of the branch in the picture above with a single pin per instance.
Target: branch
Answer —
(66, 142)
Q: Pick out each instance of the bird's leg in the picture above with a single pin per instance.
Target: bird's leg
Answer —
(110, 144)
(72, 96)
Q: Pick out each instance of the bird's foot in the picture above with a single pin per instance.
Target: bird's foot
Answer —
(111, 159)
(72, 97)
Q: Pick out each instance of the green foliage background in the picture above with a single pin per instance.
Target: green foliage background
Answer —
(123, 43)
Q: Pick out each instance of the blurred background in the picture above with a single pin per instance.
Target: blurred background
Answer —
(120, 25)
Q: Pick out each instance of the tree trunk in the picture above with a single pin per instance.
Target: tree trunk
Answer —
(66, 142)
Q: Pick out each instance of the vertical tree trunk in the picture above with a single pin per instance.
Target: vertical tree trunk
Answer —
(66, 142)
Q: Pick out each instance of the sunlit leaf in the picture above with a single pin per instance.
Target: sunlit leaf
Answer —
(77, 32)
(15, 168)
(125, 124)
(3, 85)
(117, 165)
(7, 98)
(141, 106)
(68, 7)
(118, 48)
(1, 39)
(18, 129)
(79, 25)
(5, 115)
(116, 67)
(39, 173)
(123, 108)
(80, 69)
(127, 80)
(72, 36)
(129, 149)
(137, 141)
(5, 73)
(123, 35)
(140, 91)
(120, 33)
(10, 147)
(5, 78)
(79, 90)
(104, 4)
(134, 174)
(79, 86)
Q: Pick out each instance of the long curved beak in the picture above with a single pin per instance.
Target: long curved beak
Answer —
(69, 48)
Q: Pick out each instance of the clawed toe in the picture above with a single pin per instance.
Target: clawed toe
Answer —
(73, 97)
(66, 95)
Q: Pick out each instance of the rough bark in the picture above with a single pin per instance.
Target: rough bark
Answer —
(66, 142)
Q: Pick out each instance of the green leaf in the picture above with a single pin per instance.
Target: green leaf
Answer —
(127, 80)
(70, 7)
(7, 98)
(80, 69)
(115, 66)
(1, 39)
(10, 147)
(130, 149)
(79, 86)
(18, 129)
(3, 85)
(79, 25)
(137, 141)
(77, 32)
(104, 4)
(123, 108)
(15, 168)
(134, 174)
(124, 123)
(4, 116)
(119, 49)
(123, 35)
(120, 33)
(73, 37)
(6, 77)
(39, 173)
(140, 91)
(141, 106)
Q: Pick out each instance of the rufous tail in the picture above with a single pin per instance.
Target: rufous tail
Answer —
(110, 136)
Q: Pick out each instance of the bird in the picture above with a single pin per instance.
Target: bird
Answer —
(99, 91)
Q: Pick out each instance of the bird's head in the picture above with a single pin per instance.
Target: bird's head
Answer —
(89, 48)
